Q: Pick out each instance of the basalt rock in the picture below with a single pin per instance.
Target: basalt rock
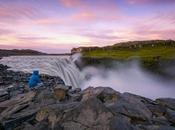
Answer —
(4, 95)
(167, 102)
(170, 114)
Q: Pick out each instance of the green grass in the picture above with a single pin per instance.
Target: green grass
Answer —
(146, 53)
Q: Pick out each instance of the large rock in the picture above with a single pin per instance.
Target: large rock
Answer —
(44, 98)
(4, 95)
(167, 102)
(17, 119)
(170, 114)
(131, 107)
(71, 125)
(105, 94)
(60, 92)
(161, 120)
(16, 105)
(91, 114)
(157, 127)
(120, 122)
(52, 115)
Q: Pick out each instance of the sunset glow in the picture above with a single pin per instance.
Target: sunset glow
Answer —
(56, 26)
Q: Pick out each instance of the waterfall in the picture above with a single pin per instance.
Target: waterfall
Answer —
(67, 70)
(62, 66)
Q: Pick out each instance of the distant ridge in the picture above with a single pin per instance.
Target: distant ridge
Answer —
(4, 52)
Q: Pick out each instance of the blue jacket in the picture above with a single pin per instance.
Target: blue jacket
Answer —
(34, 79)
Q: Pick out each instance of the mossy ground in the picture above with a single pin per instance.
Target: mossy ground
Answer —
(145, 53)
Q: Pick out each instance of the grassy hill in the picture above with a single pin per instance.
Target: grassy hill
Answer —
(146, 50)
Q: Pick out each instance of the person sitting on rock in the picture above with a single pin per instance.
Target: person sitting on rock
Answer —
(35, 81)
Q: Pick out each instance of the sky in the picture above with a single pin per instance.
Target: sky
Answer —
(57, 26)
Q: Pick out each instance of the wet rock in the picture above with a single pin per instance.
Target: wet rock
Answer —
(75, 91)
(4, 95)
(75, 94)
(15, 89)
(167, 102)
(170, 114)
(75, 97)
(1, 81)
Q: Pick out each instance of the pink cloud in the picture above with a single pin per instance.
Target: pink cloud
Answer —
(84, 16)
(151, 1)
(11, 13)
(5, 31)
(48, 21)
(99, 10)
(72, 3)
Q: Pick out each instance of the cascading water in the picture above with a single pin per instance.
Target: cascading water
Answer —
(66, 70)
(64, 67)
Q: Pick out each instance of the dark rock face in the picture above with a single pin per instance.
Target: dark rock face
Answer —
(167, 102)
(170, 114)
(58, 107)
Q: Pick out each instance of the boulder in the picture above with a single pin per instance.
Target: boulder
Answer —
(44, 98)
(60, 92)
(120, 122)
(167, 102)
(70, 125)
(51, 114)
(170, 114)
(157, 127)
(17, 119)
(156, 109)
(161, 120)
(75, 91)
(1, 80)
(105, 94)
(90, 114)
(134, 109)
(16, 104)
(4, 95)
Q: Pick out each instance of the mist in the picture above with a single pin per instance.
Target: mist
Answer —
(130, 78)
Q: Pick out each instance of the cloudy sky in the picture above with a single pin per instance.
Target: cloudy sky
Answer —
(56, 26)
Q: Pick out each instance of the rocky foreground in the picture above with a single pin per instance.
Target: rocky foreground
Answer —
(58, 107)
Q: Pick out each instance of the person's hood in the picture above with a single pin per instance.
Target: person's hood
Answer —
(36, 72)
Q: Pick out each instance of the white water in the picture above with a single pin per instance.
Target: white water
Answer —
(125, 78)
(61, 66)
